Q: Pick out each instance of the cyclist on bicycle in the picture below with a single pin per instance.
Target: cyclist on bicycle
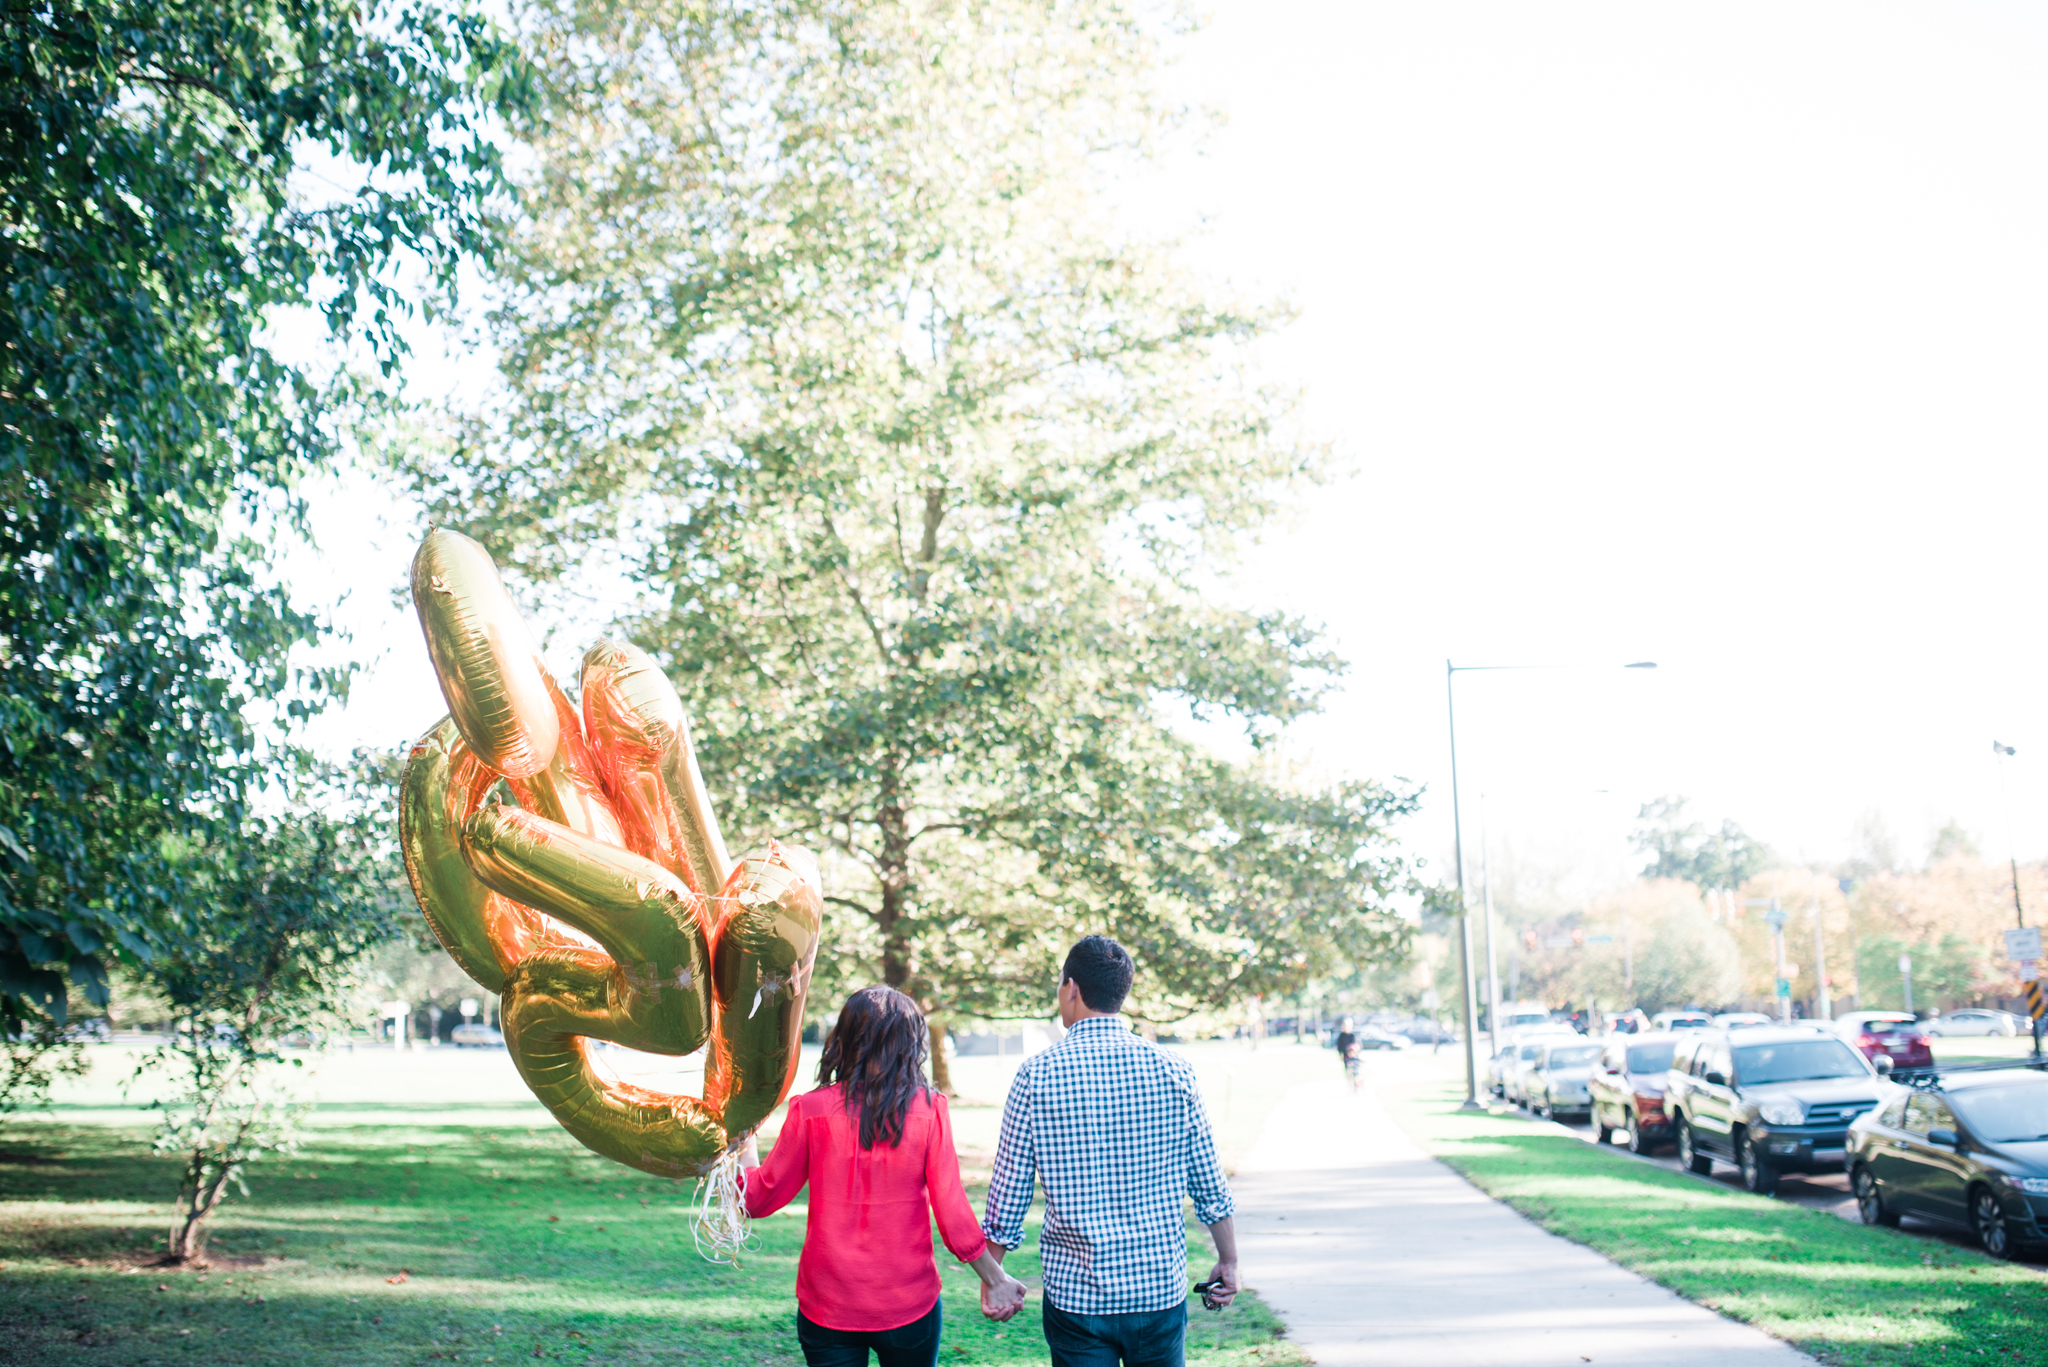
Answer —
(1347, 1050)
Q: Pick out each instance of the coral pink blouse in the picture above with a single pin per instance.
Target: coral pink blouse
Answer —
(867, 1262)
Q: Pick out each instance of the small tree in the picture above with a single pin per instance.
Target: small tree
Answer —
(38, 1052)
(295, 904)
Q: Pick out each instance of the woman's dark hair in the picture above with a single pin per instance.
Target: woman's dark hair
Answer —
(1102, 969)
(876, 1052)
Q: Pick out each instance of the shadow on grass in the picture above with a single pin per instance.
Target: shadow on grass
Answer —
(418, 1242)
(1847, 1293)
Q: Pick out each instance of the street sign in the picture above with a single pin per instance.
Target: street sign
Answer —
(1599, 939)
(1784, 987)
(2037, 1004)
(2023, 944)
(1776, 918)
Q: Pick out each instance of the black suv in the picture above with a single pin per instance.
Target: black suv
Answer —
(1767, 1099)
(1966, 1145)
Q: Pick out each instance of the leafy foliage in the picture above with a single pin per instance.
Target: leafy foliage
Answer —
(1726, 858)
(154, 218)
(293, 908)
(815, 330)
(35, 1053)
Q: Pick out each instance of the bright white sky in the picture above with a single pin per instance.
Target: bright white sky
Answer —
(1709, 335)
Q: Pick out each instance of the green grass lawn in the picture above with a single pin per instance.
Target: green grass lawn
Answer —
(416, 1231)
(1856, 1296)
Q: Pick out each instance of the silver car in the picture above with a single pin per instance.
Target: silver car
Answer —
(1556, 1083)
(1975, 1021)
(1528, 1052)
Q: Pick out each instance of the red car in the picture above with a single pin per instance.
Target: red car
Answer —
(1627, 1087)
(1893, 1034)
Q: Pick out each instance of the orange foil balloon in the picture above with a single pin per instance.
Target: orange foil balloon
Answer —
(600, 902)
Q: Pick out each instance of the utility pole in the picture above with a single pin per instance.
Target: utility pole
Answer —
(1471, 1102)
(1906, 973)
(1776, 917)
(1824, 1007)
(1492, 961)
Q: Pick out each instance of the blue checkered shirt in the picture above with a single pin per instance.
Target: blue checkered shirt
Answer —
(1116, 1128)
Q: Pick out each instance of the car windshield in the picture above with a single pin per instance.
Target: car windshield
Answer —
(2000, 1115)
(1797, 1061)
(1650, 1058)
(1530, 1051)
(1885, 1022)
(1576, 1056)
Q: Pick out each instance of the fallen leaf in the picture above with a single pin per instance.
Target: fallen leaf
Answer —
(161, 1287)
(403, 1273)
(78, 1298)
(554, 1219)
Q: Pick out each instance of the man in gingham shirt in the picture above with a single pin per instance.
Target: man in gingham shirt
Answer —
(1115, 1127)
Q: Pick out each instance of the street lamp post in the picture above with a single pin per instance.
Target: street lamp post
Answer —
(1451, 672)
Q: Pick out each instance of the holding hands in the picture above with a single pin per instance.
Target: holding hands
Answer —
(1001, 1294)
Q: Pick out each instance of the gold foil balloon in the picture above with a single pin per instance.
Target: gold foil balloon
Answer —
(600, 903)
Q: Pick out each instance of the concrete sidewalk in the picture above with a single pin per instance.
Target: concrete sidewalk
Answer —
(1376, 1254)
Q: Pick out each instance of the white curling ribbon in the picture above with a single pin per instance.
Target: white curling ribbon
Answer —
(721, 1228)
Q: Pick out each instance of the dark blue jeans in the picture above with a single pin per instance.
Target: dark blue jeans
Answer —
(1149, 1338)
(915, 1344)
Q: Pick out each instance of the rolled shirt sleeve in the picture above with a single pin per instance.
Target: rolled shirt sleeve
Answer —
(1016, 1168)
(771, 1186)
(1207, 1186)
(950, 1207)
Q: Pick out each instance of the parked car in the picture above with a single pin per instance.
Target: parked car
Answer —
(1381, 1039)
(1770, 1100)
(1681, 1020)
(1626, 1023)
(1555, 1084)
(1894, 1034)
(1976, 1021)
(1627, 1090)
(1509, 1056)
(1522, 1015)
(1528, 1051)
(1740, 1020)
(473, 1036)
(1966, 1148)
(1425, 1031)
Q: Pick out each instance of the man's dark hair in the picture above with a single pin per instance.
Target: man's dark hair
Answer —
(1102, 969)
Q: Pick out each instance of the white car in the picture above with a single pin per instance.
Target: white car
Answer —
(1975, 1021)
(1524, 1054)
(1741, 1020)
(474, 1036)
(1681, 1020)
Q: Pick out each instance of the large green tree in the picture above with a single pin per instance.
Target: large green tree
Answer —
(172, 174)
(1706, 858)
(815, 327)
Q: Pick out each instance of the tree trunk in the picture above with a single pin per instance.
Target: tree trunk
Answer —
(187, 1242)
(942, 1071)
(893, 866)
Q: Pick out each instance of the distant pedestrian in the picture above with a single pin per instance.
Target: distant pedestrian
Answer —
(1115, 1128)
(875, 1145)
(1347, 1052)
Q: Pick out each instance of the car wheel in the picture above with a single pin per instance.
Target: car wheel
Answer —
(1757, 1173)
(1689, 1156)
(1988, 1223)
(1870, 1202)
(1634, 1127)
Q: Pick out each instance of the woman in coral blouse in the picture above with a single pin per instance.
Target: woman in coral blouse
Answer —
(875, 1145)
